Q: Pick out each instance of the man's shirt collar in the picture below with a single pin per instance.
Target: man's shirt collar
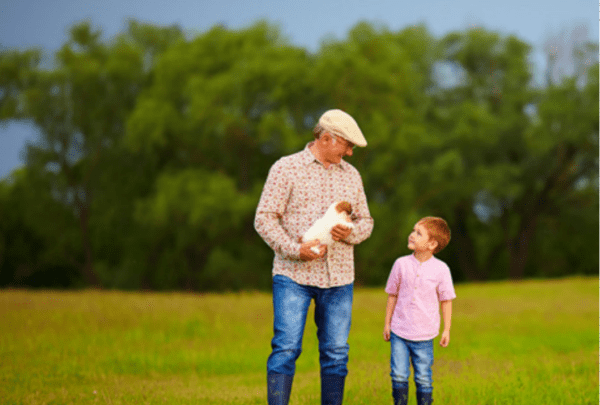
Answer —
(307, 158)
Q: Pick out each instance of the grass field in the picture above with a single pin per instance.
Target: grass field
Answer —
(531, 342)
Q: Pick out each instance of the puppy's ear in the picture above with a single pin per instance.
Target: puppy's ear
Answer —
(344, 206)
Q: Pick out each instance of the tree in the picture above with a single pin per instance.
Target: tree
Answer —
(79, 107)
(517, 153)
(39, 244)
(155, 148)
(223, 107)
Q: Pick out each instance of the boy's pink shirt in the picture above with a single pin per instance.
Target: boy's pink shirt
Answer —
(420, 288)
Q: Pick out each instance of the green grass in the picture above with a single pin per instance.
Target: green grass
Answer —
(531, 342)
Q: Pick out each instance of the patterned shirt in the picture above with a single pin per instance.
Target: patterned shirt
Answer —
(298, 191)
(420, 288)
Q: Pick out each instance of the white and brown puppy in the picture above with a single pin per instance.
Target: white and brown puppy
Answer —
(337, 214)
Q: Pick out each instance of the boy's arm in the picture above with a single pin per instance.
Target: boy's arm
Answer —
(447, 316)
(389, 311)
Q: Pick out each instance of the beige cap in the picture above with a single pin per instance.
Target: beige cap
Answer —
(342, 124)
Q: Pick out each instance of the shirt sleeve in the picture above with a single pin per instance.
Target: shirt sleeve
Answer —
(445, 289)
(271, 206)
(393, 283)
(363, 222)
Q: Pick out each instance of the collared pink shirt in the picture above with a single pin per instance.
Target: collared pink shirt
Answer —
(420, 288)
(298, 191)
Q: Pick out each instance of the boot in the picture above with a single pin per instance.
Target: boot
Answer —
(279, 387)
(400, 396)
(332, 389)
(424, 398)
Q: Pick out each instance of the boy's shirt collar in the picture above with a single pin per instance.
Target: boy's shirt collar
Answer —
(413, 257)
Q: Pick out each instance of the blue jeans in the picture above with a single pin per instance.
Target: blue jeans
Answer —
(333, 311)
(420, 353)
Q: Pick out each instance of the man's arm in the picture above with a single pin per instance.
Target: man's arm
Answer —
(363, 222)
(271, 207)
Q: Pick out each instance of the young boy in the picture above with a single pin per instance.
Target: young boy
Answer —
(415, 287)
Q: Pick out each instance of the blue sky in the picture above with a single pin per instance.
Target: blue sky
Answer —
(45, 24)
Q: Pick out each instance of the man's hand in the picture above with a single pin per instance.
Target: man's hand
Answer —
(445, 340)
(340, 232)
(307, 254)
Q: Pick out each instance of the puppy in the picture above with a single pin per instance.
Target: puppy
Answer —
(337, 214)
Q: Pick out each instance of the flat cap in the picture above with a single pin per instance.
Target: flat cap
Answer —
(342, 124)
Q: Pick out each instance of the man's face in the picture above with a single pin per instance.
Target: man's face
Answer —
(337, 149)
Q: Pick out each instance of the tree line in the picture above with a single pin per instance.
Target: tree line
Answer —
(154, 146)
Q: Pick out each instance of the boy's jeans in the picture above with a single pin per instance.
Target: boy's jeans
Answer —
(333, 311)
(421, 355)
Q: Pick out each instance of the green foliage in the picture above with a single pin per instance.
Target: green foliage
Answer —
(79, 107)
(191, 212)
(154, 148)
(38, 244)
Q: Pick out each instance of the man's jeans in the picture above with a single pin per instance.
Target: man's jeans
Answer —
(333, 311)
(421, 354)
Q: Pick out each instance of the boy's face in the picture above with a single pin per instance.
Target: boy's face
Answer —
(419, 240)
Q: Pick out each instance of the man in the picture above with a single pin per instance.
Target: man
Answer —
(298, 191)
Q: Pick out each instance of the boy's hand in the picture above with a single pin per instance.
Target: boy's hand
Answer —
(445, 340)
(386, 333)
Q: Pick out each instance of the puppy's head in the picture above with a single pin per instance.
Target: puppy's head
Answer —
(344, 206)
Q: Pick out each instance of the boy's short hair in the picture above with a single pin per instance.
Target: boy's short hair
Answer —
(439, 230)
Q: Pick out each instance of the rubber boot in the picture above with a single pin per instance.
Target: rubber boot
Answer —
(424, 398)
(400, 393)
(279, 387)
(332, 389)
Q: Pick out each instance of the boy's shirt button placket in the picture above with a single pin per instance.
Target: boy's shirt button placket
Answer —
(416, 283)
(417, 275)
(414, 294)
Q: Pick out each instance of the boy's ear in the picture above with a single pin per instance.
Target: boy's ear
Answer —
(433, 244)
